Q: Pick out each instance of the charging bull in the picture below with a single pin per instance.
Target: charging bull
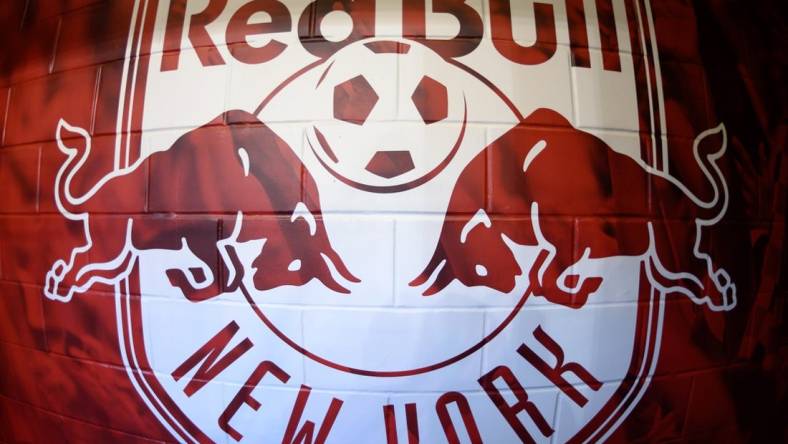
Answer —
(247, 173)
(568, 193)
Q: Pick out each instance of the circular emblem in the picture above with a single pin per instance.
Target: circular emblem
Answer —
(430, 118)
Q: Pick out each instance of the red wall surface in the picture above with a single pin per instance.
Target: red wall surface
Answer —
(722, 376)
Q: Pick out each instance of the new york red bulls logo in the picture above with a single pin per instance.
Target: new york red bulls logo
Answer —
(350, 233)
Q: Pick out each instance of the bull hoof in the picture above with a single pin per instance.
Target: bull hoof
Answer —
(51, 288)
(587, 288)
(725, 300)
(729, 296)
(571, 299)
(178, 279)
(723, 279)
(59, 270)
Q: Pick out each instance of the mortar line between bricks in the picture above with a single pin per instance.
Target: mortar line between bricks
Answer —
(58, 28)
(474, 124)
(67, 11)
(371, 214)
(73, 418)
(397, 88)
(24, 15)
(44, 323)
(394, 268)
(693, 372)
(111, 60)
(318, 388)
(384, 391)
(556, 412)
(572, 90)
(488, 176)
(483, 354)
(38, 178)
(405, 214)
(95, 98)
(5, 115)
(499, 309)
(147, 187)
(487, 36)
(70, 357)
(227, 301)
(687, 412)
(303, 341)
(2, 272)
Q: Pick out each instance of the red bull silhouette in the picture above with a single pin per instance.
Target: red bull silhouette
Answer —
(247, 176)
(568, 193)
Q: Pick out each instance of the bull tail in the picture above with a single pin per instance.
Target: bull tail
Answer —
(75, 143)
(707, 159)
(703, 282)
(708, 148)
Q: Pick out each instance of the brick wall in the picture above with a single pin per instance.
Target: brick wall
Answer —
(721, 376)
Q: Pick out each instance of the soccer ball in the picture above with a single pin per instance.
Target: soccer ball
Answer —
(397, 117)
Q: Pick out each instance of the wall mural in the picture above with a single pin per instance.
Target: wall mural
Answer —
(361, 221)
